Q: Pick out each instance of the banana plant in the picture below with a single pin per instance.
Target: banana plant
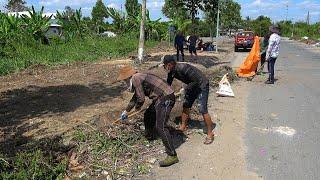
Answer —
(153, 28)
(119, 20)
(181, 24)
(10, 32)
(37, 24)
(72, 23)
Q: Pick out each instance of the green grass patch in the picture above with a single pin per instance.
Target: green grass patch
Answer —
(86, 49)
(32, 165)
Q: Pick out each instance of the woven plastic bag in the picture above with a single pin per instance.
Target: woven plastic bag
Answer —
(225, 87)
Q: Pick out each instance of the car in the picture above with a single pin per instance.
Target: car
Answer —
(243, 39)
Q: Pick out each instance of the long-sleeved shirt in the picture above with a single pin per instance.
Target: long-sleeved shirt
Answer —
(193, 40)
(148, 85)
(274, 46)
(189, 75)
(179, 40)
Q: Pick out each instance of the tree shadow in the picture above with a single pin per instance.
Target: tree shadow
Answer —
(20, 105)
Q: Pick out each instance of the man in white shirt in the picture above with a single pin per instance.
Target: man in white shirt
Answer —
(273, 52)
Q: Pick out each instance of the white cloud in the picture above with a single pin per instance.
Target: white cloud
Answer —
(277, 9)
(309, 5)
(2, 4)
(155, 4)
(59, 3)
(113, 5)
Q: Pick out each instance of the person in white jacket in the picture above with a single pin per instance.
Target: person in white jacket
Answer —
(273, 52)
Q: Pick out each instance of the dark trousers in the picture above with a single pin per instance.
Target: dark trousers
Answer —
(155, 120)
(262, 62)
(263, 58)
(180, 49)
(271, 62)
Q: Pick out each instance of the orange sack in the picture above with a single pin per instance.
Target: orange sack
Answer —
(249, 66)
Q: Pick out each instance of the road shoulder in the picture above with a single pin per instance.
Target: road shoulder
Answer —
(225, 158)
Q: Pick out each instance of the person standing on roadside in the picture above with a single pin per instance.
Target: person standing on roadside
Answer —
(272, 51)
(193, 43)
(263, 50)
(163, 100)
(179, 41)
(197, 87)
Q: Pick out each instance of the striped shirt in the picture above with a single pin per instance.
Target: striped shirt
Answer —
(148, 85)
(274, 46)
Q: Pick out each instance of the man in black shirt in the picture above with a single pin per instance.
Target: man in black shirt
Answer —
(193, 43)
(197, 87)
(179, 40)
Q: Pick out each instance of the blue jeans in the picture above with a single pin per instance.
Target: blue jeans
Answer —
(271, 62)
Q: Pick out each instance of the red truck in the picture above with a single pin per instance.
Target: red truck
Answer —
(244, 39)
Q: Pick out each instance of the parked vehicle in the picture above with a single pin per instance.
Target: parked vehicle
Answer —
(243, 39)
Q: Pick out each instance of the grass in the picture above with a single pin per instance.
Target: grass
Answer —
(87, 49)
(32, 165)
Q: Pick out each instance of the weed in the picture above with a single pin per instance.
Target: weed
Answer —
(116, 150)
(33, 165)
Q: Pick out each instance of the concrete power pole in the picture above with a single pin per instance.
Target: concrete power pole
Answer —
(217, 33)
(308, 18)
(141, 40)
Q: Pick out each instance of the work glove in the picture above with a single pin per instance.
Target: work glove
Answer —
(124, 116)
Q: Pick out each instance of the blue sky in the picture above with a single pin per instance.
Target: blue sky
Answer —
(275, 9)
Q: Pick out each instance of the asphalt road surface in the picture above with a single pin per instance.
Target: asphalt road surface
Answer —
(283, 120)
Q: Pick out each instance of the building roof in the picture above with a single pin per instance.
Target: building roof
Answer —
(19, 14)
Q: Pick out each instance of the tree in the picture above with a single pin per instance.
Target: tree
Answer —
(193, 7)
(118, 20)
(16, 6)
(133, 8)
(99, 12)
(142, 34)
(174, 9)
(69, 12)
(211, 10)
(261, 25)
(37, 24)
(230, 14)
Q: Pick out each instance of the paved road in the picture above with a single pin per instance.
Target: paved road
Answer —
(283, 125)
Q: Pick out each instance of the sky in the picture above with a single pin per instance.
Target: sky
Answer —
(295, 10)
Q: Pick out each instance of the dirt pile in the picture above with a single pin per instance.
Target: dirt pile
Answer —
(216, 75)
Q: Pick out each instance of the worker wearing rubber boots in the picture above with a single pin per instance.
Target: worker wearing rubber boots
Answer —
(163, 100)
(197, 87)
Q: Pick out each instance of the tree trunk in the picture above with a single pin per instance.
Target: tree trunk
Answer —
(142, 34)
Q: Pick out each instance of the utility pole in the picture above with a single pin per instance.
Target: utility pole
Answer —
(287, 13)
(292, 28)
(308, 18)
(141, 40)
(217, 33)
